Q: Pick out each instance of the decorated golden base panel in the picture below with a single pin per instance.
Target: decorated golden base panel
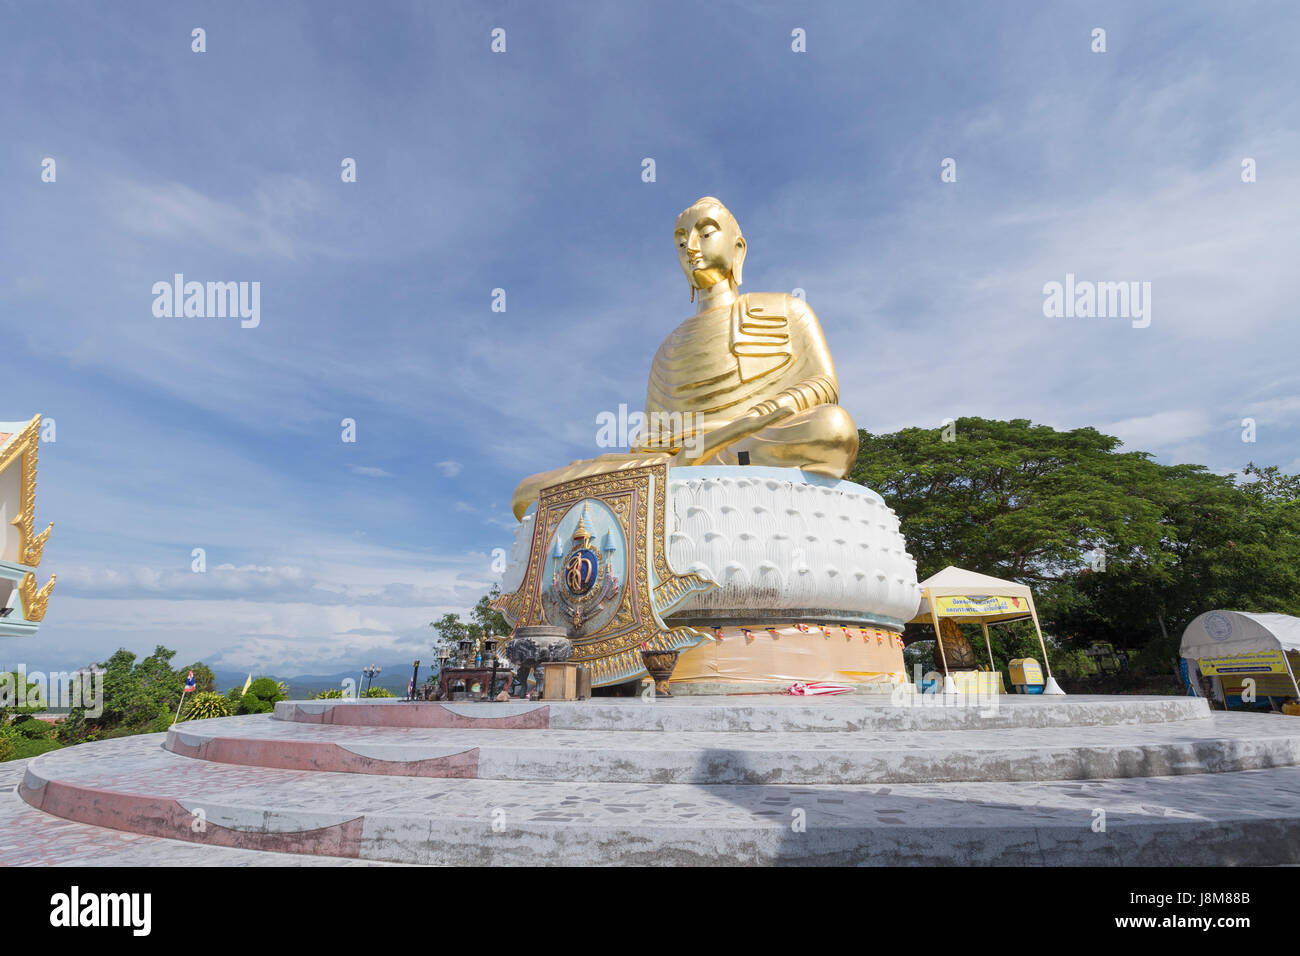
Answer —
(598, 566)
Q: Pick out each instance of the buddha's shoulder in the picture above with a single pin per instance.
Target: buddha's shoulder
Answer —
(777, 305)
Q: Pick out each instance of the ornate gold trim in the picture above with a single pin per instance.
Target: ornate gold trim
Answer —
(24, 445)
(34, 599)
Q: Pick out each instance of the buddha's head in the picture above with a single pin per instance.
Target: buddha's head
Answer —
(710, 247)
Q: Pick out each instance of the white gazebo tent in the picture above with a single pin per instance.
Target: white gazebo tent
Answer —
(971, 596)
(1219, 634)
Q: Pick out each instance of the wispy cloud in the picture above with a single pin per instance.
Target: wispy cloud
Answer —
(369, 471)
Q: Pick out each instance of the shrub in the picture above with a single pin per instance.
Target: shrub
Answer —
(9, 739)
(379, 692)
(32, 729)
(328, 694)
(206, 706)
(73, 729)
(261, 696)
(30, 747)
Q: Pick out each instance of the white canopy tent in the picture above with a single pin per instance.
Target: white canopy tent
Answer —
(1228, 633)
(968, 595)
(1217, 634)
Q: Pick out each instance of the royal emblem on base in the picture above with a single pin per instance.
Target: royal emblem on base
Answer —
(598, 566)
(584, 581)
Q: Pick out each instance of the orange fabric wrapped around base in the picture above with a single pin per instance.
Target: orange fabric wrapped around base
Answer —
(854, 655)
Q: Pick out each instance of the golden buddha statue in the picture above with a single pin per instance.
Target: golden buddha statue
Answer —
(747, 373)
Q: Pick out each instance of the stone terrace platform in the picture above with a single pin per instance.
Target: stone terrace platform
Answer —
(697, 780)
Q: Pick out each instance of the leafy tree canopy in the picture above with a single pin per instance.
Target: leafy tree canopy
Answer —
(1117, 547)
(139, 697)
(449, 630)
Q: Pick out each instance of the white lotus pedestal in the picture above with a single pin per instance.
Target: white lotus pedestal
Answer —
(772, 575)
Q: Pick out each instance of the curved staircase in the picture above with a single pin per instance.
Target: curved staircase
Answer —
(726, 780)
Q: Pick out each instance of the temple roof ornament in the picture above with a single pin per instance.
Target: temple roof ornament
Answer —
(20, 553)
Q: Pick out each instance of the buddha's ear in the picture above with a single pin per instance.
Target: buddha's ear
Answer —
(738, 263)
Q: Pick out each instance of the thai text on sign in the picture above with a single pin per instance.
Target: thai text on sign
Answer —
(974, 605)
(1256, 662)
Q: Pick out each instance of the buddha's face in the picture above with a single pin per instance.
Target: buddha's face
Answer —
(709, 245)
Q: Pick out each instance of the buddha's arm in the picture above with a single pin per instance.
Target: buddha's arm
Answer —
(817, 383)
(818, 390)
(730, 433)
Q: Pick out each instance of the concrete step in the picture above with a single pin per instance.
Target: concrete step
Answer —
(742, 713)
(133, 784)
(29, 837)
(1219, 744)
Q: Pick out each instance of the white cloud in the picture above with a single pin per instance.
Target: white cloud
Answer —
(1275, 411)
(268, 225)
(450, 469)
(369, 472)
(1163, 430)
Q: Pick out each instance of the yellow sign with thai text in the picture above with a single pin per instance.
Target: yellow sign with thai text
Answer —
(979, 605)
(1256, 662)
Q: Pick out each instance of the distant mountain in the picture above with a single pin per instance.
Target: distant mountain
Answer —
(393, 677)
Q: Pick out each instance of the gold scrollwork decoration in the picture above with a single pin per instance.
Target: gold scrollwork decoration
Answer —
(34, 598)
(24, 445)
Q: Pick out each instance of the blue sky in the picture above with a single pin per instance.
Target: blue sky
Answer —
(522, 171)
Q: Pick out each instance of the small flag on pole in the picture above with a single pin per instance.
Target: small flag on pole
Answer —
(189, 686)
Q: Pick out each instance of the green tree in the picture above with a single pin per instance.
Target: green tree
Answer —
(1270, 484)
(139, 697)
(1224, 544)
(31, 697)
(1116, 546)
(450, 630)
(1011, 499)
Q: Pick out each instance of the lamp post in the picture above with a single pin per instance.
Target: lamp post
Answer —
(370, 673)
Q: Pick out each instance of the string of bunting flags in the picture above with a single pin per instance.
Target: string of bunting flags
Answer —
(880, 635)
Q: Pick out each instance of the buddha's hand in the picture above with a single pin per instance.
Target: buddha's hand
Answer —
(710, 443)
